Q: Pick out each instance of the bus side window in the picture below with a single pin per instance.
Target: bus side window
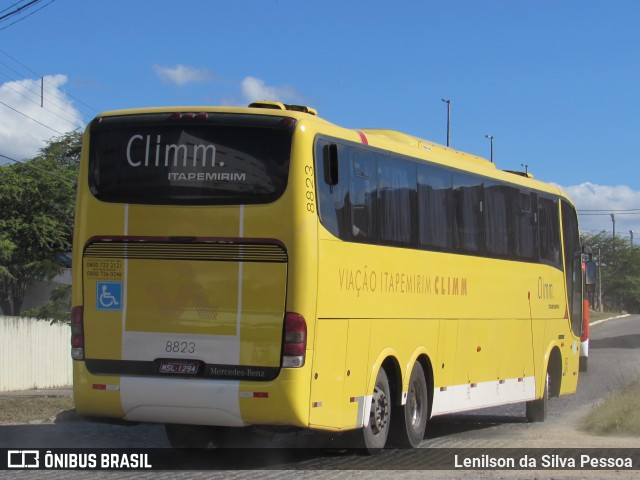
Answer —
(397, 202)
(526, 226)
(499, 231)
(468, 212)
(330, 164)
(435, 208)
(549, 226)
(363, 197)
(333, 188)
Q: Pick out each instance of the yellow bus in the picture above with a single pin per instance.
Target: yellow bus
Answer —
(262, 266)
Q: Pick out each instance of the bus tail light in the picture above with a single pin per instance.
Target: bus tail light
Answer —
(295, 340)
(77, 333)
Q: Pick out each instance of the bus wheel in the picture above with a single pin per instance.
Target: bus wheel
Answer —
(375, 434)
(410, 419)
(188, 436)
(537, 409)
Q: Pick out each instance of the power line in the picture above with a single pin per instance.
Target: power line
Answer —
(66, 119)
(19, 9)
(92, 111)
(31, 118)
(11, 6)
(29, 14)
(41, 170)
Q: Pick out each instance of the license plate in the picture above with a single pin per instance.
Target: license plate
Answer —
(179, 367)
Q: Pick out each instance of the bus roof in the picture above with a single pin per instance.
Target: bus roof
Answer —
(391, 140)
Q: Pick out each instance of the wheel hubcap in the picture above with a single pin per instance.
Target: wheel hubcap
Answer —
(379, 411)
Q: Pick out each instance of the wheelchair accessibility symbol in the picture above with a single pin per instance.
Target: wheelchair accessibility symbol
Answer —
(109, 296)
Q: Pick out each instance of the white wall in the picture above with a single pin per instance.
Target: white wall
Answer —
(34, 354)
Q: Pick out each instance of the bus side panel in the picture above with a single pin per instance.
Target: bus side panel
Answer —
(340, 374)
(551, 328)
(90, 401)
(327, 384)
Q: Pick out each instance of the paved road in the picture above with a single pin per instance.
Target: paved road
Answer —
(615, 359)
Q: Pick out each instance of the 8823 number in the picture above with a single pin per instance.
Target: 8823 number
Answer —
(176, 346)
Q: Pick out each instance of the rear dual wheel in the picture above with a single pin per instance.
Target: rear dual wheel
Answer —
(404, 424)
(374, 435)
(410, 419)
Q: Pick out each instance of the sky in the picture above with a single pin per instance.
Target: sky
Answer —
(555, 82)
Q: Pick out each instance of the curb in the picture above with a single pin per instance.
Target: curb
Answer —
(607, 319)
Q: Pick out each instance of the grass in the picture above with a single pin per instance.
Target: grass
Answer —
(32, 409)
(618, 415)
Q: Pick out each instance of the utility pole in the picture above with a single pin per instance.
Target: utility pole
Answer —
(448, 102)
(490, 137)
(631, 233)
(600, 307)
(613, 220)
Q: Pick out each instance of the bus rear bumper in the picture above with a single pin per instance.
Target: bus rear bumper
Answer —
(228, 403)
(192, 402)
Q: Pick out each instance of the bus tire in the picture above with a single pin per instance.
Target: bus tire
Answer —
(583, 365)
(187, 436)
(410, 420)
(375, 434)
(537, 409)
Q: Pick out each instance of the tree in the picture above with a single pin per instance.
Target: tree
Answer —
(620, 270)
(37, 203)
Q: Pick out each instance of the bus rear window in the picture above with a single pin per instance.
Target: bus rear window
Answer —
(218, 160)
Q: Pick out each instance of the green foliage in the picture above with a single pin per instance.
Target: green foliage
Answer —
(620, 270)
(57, 310)
(37, 201)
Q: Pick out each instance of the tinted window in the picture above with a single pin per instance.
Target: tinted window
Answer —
(549, 227)
(372, 196)
(499, 219)
(397, 201)
(223, 159)
(525, 225)
(333, 200)
(363, 197)
(435, 207)
(573, 265)
(469, 228)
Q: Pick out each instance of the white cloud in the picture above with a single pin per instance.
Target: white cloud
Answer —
(602, 200)
(25, 126)
(183, 74)
(255, 89)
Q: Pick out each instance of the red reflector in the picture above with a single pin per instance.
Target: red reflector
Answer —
(77, 341)
(260, 394)
(98, 386)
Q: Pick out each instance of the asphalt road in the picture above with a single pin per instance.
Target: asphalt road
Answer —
(614, 360)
